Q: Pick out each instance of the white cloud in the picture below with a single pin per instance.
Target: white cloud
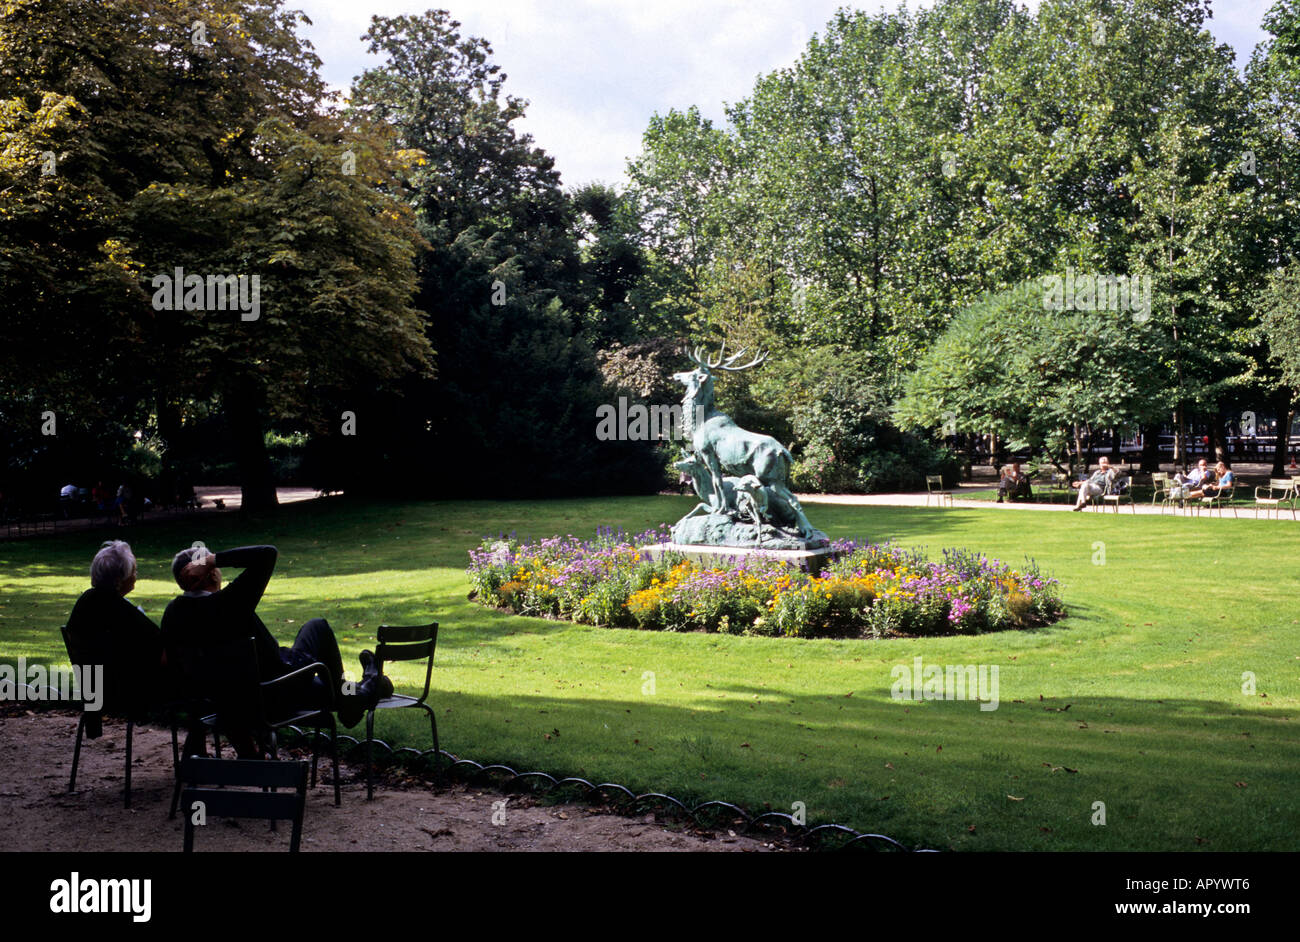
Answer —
(594, 71)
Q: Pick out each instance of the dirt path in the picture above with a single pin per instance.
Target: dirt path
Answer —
(39, 814)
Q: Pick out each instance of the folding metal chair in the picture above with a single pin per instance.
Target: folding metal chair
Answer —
(402, 644)
(231, 802)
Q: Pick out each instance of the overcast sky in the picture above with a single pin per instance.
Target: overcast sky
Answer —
(594, 71)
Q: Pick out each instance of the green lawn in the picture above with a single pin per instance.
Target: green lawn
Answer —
(1139, 689)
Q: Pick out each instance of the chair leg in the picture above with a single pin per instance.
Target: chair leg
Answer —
(126, 788)
(76, 753)
(176, 798)
(334, 758)
(176, 748)
(437, 753)
(275, 757)
(315, 753)
(370, 754)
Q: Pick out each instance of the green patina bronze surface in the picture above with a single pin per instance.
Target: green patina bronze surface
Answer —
(742, 478)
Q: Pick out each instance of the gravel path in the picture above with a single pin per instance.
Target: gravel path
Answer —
(40, 814)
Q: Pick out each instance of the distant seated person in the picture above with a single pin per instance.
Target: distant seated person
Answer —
(1215, 483)
(113, 632)
(1096, 485)
(206, 615)
(1014, 484)
(1196, 477)
(185, 496)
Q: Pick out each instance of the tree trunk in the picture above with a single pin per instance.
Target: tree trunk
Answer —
(1218, 441)
(169, 430)
(1282, 409)
(1180, 440)
(249, 432)
(1150, 448)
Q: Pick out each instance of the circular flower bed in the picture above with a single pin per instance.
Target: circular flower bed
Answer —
(871, 591)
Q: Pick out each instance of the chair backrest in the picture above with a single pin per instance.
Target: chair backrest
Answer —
(933, 481)
(82, 652)
(229, 801)
(398, 643)
(1159, 477)
(225, 675)
(1282, 484)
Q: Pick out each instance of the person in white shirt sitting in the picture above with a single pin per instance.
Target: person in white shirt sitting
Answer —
(1096, 485)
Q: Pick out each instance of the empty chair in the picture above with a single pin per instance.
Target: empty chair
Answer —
(934, 488)
(233, 800)
(402, 644)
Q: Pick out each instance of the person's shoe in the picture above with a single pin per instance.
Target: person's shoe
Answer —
(999, 498)
(1078, 506)
(372, 688)
(350, 711)
(367, 659)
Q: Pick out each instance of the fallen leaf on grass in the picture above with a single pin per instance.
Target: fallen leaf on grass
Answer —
(1014, 798)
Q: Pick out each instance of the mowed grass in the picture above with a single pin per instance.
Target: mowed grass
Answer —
(1139, 691)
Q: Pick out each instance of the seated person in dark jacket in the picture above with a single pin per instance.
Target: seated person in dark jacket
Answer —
(208, 614)
(1014, 484)
(110, 631)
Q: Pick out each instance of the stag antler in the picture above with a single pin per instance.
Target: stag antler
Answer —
(729, 363)
(724, 362)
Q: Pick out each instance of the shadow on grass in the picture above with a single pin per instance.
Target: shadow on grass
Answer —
(929, 773)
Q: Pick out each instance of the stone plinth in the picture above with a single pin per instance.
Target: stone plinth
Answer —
(811, 560)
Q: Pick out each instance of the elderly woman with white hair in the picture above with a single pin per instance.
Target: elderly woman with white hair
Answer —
(117, 633)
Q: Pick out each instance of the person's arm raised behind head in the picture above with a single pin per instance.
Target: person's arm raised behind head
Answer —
(258, 563)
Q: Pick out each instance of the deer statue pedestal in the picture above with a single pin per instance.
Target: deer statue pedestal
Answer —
(718, 529)
(742, 478)
(811, 560)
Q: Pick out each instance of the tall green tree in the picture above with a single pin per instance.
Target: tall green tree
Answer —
(194, 135)
(502, 280)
